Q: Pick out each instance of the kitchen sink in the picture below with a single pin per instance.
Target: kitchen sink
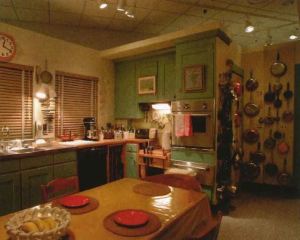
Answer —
(26, 150)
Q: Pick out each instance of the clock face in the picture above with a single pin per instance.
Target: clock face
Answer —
(7, 47)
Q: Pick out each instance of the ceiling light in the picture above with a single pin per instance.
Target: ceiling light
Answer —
(249, 27)
(121, 5)
(161, 106)
(103, 4)
(293, 37)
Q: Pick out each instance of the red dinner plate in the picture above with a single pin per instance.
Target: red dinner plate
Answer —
(131, 218)
(74, 201)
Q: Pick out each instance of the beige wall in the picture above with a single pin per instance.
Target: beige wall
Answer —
(33, 48)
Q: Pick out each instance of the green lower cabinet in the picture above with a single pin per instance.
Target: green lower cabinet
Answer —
(195, 53)
(65, 170)
(10, 193)
(31, 185)
(131, 166)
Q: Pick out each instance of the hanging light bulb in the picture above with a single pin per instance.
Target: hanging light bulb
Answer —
(249, 27)
(121, 5)
(103, 4)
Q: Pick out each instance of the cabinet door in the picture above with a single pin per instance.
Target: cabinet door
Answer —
(31, 182)
(144, 68)
(116, 168)
(195, 53)
(65, 170)
(126, 105)
(167, 78)
(10, 193)
(131, 166)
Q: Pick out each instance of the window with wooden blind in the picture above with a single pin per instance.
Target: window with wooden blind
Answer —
(16, 100)
(76, 99)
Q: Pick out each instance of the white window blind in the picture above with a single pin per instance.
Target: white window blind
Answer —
(76, 99)
(16, 99)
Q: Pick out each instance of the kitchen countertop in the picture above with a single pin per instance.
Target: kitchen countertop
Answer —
(67, 146)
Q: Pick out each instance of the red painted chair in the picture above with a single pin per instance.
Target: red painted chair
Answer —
(59, 187)
(176, 180)
(209, 230)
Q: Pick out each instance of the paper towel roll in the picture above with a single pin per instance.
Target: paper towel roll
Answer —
(166, 140)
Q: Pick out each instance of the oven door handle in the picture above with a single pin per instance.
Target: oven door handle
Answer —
(194, 114)
(194, 148)
(195, 167)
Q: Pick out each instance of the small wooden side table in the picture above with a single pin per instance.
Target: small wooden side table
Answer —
(157, 159)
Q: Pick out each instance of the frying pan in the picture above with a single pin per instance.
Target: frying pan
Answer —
(270, 142)
(288, 94)
(278, 68)
(277, 102)
(251, 109)
(269, 120)
(251, 83)
(283, 147)
(271, 168)
(277, 86)
(284, 177)
(287, 116)
(45, 76)
(250, 171)
(250, 136)
(258, 156)
(269, 96)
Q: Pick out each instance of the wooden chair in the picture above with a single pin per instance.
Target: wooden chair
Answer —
(59, 187)
(209, 230)
(176, 180)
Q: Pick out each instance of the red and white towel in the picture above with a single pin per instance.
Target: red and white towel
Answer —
(183, 125)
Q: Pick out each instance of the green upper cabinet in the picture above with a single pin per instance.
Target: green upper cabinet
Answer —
(192, 53)
(126, 105)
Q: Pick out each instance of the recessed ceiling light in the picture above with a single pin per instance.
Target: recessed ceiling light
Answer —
(293, 37)
(121, 5)
(103, 4)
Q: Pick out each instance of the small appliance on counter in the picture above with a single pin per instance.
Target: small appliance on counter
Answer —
(90, 129)
(142, 133)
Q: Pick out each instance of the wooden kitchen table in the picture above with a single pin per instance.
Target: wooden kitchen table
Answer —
(179, 212)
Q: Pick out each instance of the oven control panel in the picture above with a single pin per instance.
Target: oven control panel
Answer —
(193, 105)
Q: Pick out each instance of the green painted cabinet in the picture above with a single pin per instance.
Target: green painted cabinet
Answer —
(10, 193)
(31, 182)
(131, 160)
(64, 170)
(198, 52)
(126, 105)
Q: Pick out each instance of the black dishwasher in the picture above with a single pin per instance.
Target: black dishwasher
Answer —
(92, 165)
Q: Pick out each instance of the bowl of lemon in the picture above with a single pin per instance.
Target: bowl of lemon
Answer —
(38, 223)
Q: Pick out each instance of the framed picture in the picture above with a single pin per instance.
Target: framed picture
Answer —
(147, 85)
(194, 78)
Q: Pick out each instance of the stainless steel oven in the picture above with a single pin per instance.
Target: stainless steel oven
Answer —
(202, 122)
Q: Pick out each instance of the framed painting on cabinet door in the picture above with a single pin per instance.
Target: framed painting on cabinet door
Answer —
(147, 85)
(194, 78)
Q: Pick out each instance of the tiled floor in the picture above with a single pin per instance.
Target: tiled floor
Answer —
(260, 217)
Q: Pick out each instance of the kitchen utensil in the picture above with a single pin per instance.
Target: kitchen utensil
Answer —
(237, 115)
(284, 178)
(270, 142)
(269, 120)
(269, 96)
(258, 156)
(271, 168)
(283, 147)
(277, 86)
(74, 201)
(251, 83)
(277, 134)
(288, 94)
(251, 109)
(278, 68)
(45, 76)
(251, 136)
(287, 115)
(261, 120)
(250, 171)
(277, 102)
(131, 218)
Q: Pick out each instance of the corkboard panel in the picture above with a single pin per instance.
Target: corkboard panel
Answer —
(260, 63)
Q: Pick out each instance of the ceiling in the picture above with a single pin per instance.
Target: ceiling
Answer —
(277, 18)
